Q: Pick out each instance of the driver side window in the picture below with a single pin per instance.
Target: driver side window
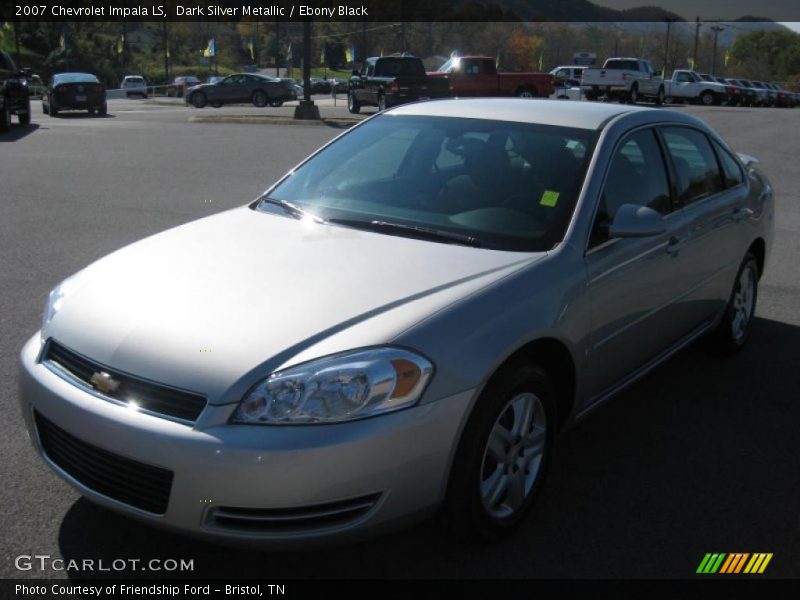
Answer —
(637, 175)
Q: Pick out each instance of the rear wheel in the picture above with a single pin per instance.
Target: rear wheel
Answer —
(198, 100)
(53, 108)
(733, 330)
(103, 110)
(660, 97)
(5, 118)
(260, 98)
(633, 95)
(503, 454)
(352, 104)
(381, 102)
(525, 92)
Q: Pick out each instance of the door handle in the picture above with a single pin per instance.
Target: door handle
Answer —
(741, 213)
(674, 245)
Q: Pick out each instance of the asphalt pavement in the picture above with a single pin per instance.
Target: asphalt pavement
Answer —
(700, 456)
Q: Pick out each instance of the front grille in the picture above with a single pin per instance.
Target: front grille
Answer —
(149, 396)
(129, 481)
(288, 520)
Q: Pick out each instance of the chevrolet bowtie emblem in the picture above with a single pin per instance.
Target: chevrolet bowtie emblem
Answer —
(103, 382)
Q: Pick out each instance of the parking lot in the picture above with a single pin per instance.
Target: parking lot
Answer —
(700, 456)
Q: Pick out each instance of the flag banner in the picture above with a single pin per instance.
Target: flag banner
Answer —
(251, 49)
(211, 49)
(121, 44)
(289, 53)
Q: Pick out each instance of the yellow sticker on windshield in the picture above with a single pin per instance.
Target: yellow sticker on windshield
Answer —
(549, 198)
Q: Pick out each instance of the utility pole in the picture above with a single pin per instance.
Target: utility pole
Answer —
(696, 40)
(670, 21)
(255, 47)
(306, 109)
(277, 47)
(166, 52)
(16, 43)
(716, 29)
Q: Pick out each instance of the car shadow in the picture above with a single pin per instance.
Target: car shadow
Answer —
(82, 115)
(17, 132)
(700, 455)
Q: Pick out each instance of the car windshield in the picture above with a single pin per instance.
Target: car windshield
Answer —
(504, 185)
(134, 80)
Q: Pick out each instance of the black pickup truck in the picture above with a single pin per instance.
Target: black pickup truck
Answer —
(386, 81)
(14, 95)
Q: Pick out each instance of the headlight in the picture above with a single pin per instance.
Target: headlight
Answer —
(337, 388)
(57, 296)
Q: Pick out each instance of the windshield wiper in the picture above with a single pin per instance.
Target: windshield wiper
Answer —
(415, 231)
(292, 209)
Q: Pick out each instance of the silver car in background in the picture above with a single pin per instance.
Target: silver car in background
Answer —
(134, 85)
(402, 325)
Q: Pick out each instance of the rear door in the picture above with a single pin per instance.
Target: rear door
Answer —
(636, 284)
(712, 193)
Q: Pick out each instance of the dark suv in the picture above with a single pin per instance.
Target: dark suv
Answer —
(14, 96)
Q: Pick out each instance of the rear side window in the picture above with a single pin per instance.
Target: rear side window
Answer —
(696, 166)
(731, 170)
(637, 175)
(626, 65)
(399, 67)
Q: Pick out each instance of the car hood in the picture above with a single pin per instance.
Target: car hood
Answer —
(202, 305)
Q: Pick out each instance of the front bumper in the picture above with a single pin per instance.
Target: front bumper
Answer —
(400, 460)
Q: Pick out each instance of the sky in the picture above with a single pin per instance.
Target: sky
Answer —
(776, 10)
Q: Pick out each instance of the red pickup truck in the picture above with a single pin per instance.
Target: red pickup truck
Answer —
(477, 76)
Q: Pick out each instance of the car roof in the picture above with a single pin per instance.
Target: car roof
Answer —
(581, 115)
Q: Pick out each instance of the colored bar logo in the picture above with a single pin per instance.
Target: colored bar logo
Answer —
(734, 562)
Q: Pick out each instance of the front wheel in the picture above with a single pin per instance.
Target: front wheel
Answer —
(733, 330)
(260, 99)
(707, 99)
(503, 455)
(352, 104)
(199, 100)
(660, 97)
(381, 102)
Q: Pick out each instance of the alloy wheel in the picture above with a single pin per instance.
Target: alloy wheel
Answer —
(513, 455)
(743, 303)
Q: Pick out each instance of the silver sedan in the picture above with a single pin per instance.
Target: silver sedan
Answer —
(402, 325)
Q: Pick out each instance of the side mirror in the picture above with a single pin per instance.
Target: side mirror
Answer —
(634, 221)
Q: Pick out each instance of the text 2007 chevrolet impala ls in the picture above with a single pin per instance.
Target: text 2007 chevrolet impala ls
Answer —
(401, 325)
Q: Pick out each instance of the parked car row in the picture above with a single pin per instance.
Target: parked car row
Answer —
(632, 79)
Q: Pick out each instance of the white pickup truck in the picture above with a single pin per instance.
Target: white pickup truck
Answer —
(690, 86)
(624, 79)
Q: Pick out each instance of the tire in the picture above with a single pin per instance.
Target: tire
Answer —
(707, 99)
(591, 96)
(381, 102)
(660, 96)
(53, 108)
(103, 110)
(260, 98)
(198, 100)
(216, 104)
(633, 95)
(25, 118)
(526, 92)
(733, 331)
(480, 503)
(352, 104)
(5, 118)
(276, 103)
(44, 108)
